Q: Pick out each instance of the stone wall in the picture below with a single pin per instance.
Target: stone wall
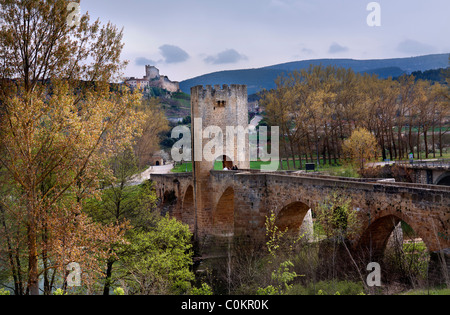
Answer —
(429, 175)
(163, 82)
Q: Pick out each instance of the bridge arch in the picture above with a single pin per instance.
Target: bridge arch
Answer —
(188, 208)
(223, 216)
(293, 216)
(443, 180)
(169, 197)
(375, 237)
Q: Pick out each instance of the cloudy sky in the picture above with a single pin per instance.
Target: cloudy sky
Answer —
(187, 38)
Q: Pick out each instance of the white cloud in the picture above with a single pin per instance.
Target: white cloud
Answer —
(226, 56)
(335, 48)
(173, 54)
(142, 61)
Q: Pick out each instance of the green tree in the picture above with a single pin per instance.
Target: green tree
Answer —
(337, 217)
(340, 222)
(121, 204)
(278, 247)
(158, 260)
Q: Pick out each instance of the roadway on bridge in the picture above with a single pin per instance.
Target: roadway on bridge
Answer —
(429, 162)
(145, 175)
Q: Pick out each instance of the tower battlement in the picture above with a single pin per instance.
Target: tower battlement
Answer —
(219, 93)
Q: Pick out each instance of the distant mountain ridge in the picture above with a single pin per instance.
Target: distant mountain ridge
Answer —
(264, 78)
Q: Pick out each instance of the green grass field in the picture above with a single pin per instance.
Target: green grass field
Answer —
(334, 170)
(431, 291)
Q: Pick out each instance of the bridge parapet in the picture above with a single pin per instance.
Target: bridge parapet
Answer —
(430, 172)
(174, 182)
(426, 164)
(342, 180)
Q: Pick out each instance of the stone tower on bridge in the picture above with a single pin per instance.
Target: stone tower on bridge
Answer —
(219, 133)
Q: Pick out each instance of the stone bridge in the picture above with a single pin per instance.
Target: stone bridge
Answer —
(431, 172)
(238, 202)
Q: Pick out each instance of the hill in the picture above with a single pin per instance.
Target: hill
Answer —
(435, 75)
(264, 78)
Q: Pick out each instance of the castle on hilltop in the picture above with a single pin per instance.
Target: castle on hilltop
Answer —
(151, 79)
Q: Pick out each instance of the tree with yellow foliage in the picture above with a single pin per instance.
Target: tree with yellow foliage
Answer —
(60, 121)
(361, 147)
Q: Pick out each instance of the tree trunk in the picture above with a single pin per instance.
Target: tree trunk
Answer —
(418, 142)
(107, 287)
(14, 272)
(410, 141)
(33, 279)
(433, 141)
(440, 139)
(300, 156)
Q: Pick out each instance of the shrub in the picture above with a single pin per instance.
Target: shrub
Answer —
(270, 290)
(4, 292)
(119, 291)
(204, 290)
(59, 292)
(328, 288)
